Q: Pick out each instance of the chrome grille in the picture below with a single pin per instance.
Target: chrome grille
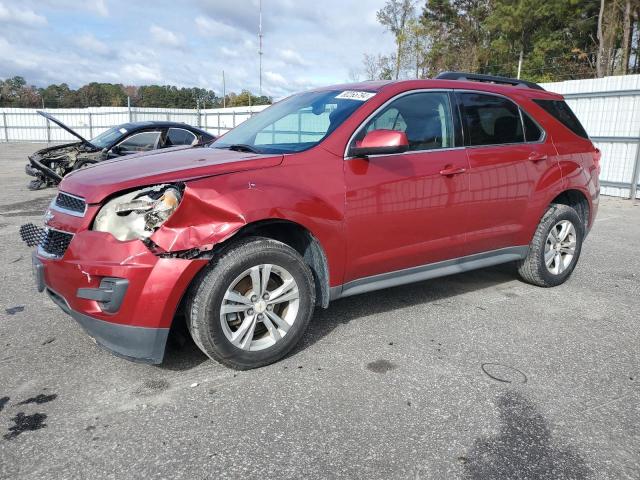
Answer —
(70, 203)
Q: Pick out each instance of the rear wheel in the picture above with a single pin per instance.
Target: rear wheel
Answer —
(555, 248)
(252, 305)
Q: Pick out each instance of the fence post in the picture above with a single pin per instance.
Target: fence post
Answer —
(234, 119)
(48, 132)
(6, 130)
(219, 124)
(636, 173)
(129, 109)
(90, 126)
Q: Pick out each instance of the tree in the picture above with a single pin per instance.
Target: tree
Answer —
(395, 15)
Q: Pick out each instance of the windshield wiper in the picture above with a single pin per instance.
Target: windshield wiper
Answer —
(241, 147)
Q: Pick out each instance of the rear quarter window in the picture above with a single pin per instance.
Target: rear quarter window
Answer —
(563, 113)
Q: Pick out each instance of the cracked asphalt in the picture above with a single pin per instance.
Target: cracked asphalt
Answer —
(475, 376)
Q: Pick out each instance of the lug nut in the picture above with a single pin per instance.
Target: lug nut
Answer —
(265, 296)
(260, 316)
(250, 311)
(254, 298)
(269, 307)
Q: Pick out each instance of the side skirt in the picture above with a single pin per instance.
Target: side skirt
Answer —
(432, 270)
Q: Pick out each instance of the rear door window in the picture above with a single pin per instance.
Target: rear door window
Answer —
(490, 120)
(532, 132)
(180, 136)
(563, 113)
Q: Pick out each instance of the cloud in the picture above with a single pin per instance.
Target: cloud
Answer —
(190, 43)
(165, 37)
(21, 16)
(212, 28)
(138, 72)
(292, 57)
(91, 44)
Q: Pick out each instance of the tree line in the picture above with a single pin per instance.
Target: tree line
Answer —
(542, 40)
(16, 92)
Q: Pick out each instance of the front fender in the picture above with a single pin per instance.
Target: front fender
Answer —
(214, 209)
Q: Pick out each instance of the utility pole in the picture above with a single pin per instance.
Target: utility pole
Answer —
(260, 47)
(224, 92)
(520, 64)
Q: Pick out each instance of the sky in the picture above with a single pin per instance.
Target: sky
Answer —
(189, 43)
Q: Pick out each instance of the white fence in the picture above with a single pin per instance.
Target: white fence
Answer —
(25, 125)
(609, 109)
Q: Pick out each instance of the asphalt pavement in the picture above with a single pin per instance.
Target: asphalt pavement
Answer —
(476, 376)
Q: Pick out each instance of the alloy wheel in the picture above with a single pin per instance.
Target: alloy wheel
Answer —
(259, 307)
(560, 247)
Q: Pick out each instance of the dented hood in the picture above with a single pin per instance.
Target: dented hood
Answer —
(96, 183)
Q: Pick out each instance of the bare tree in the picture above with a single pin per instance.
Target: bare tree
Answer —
(394, 15)
(371, 67)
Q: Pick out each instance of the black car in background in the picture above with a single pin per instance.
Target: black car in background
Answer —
(49, 165)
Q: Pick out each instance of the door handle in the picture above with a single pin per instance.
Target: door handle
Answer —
(537, 157)
(449, 171)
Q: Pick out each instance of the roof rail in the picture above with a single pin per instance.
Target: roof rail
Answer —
(476, 77)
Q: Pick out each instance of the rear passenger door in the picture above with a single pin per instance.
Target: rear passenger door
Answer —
(508, 155)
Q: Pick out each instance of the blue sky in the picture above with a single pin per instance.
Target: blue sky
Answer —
(189, 43)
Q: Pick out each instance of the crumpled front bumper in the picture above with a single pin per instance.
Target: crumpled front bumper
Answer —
(36, 168)
(123, 295)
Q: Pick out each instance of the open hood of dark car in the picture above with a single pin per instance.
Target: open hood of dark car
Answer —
(64, 127)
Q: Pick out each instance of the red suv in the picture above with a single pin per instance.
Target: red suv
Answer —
(326, 194)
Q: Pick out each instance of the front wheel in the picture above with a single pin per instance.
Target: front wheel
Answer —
(251, 306)
(555, 248)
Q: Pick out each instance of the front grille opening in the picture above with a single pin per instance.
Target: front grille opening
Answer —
(69, 202)
(52, 242)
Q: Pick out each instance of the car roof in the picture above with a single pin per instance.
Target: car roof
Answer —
(400, 85)
(157, 123)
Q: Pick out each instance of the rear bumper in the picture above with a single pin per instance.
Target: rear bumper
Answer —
(123, 295)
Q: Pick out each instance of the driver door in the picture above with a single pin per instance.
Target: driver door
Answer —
(408, 209)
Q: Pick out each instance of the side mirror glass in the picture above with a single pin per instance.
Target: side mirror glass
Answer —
(381, 142)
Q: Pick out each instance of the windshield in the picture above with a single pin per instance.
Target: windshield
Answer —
(108, 137)
(294, 124)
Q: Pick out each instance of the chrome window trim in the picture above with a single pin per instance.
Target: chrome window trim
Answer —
(73, 213)
(346, 155)
(544, 132)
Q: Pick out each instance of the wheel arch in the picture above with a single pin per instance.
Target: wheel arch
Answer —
(297, 237)
(577, 200)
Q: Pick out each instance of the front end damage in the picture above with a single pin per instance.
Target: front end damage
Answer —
(124, 288)
(49, 165)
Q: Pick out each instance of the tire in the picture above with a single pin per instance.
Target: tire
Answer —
(534, 268)
(213, 332)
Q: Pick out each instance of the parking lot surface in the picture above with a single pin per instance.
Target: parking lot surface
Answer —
(475, 375)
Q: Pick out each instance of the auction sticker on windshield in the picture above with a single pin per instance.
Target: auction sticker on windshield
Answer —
(356, 95)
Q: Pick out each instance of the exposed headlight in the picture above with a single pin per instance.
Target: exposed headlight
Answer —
(138, 214)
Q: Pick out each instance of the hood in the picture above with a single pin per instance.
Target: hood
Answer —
(64, 127)
(96, 183)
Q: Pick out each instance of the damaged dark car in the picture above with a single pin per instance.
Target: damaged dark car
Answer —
(50, 164)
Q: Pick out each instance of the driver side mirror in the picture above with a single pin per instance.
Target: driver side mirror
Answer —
(381, 142)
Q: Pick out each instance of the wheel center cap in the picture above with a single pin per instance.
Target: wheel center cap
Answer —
(260, 306)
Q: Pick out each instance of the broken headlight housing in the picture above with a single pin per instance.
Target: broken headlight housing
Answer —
(138, 214)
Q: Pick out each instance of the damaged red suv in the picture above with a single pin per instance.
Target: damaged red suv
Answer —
(326, 194)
